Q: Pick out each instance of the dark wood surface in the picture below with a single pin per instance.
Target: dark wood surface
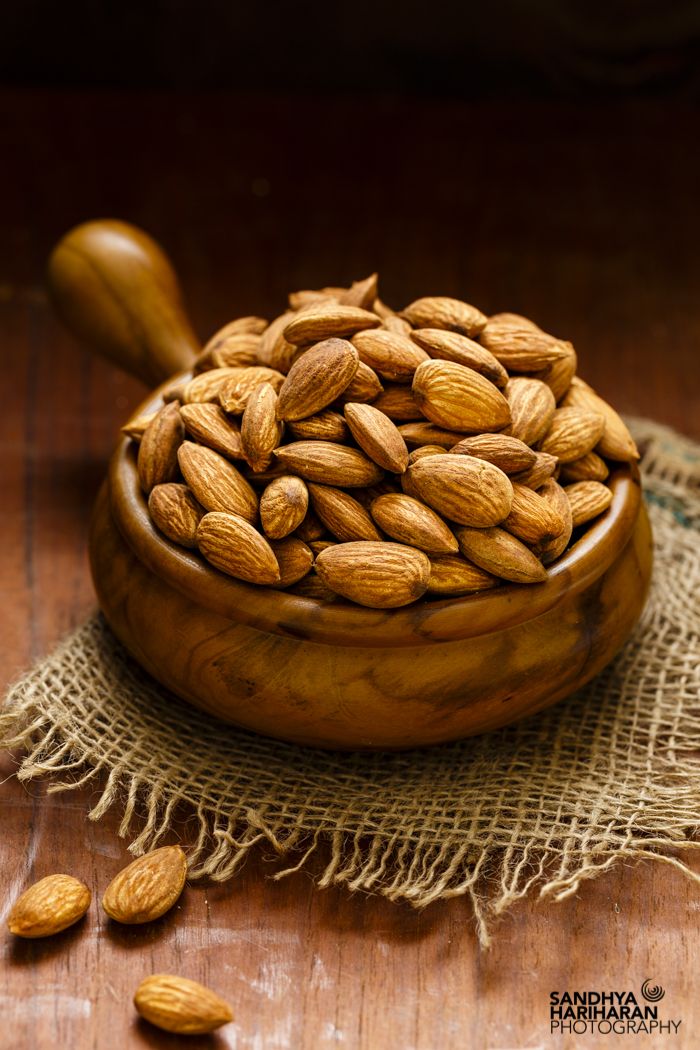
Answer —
(584, 218)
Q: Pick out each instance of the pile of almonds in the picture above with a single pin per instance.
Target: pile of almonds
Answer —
(348, 450)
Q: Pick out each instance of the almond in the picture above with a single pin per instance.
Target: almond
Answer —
(396, 324)
(175, 512)
(522, 348)
(588, 468)
(532, 519)
(532, 408)
(451, 575)
(237, 350)
(274, 351)
(311, 528)
(232, 545)
(329, 463)
(544, 467)
(215, 482)
(360, 293)
(616, 443)
(365, 385)
(307, 297)
(325, 426)
(240, 326)
(342, 515)
(560, 373)
(148, 887)
(508, 453)
(157, 457)
(174, 392)
(50, 905)
(392, 356)
(316, 378)
(572, 433)
(261, 431)
(411, 522)
(207, 385)
(450, 346)
(428, 434)
(550, 549)
(587, 500)
(209, 425)
(327, 320)
(377, 436)
(240, 384)
(176, 1004)
(426, 450)
(463, 489)
(398, 403)
(443, 312)
(294, 558)
(458, 398)
(498, 552)
(316, 546)
(136, 428)
(378, 575)
(283, 506)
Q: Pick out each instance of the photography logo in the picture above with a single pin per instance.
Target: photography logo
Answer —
(611, 1013)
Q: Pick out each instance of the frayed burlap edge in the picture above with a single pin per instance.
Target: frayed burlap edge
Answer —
(609, 775)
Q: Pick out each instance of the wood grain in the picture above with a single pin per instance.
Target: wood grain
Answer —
(565, 218)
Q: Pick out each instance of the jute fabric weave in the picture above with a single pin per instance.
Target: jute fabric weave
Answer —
(612, 774)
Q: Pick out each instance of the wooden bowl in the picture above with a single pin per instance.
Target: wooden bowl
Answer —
(332, 675)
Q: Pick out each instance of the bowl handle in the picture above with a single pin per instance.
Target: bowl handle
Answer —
(116, 290)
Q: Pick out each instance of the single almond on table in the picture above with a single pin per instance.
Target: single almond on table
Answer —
(360, 293)
(548, 550)
(49, 906)
(157, 456)
(616, 443)
(409, 521)
(392, 356)
(532, 519)
(343, 516)
(283, 506)
(378, 575)
(450, 346)
(215, 482)
(377, 436)
(274, 351)
(588, 499)
(522, 348)
(509, 453)
(175, 512)
(398, 403)
(590, 467)
(327, 425)
(439, 311)
(261, 431)
(532, 408)
(572, 433)
(176, 1004)
(364, 386)
(148, 887)
(295, 560)
(428, 434)
(234, 393)
(209, 425)
(544, 467)
(498, 552)
(317, 378)
(326, 320)
(329, 463)
(231, 544)
(463, 489)
(458, 398)
(451, 576)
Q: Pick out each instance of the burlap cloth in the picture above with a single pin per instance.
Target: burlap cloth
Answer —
(612, 774)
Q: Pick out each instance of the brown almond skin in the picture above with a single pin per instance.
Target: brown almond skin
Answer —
(392, 356)
(361, 293)
(452, 575)
(317, 378)
(572, 433)
(521, 348)
(215, 482)
(365, 385)
(588, 499)
(377, 436)
(440, 311)
(274, 351)
(549, 550)
(398, 403)
(176, 1004)
(458, 398)
(208, 424)
(532, 408)
(463, 489)
(49, 906)
(234, 393)
(325, 426)
(206, 386)
(377, 575)
(327, 320)
(532, 519)
(261, 431)
(283, 506)
(544, 467)
(409, 521)
(590, 467)
(616, 443)
(428, 434)
(426, 450)
(560, 373)
(157, 458)
(240, 326)
(508, 453)
(450, 346)
(498, 552)
(231, 544)
(343, 516)
(329, 464)
(148, 887)
(175, 512)
(311, 528)
(136, 428)
(295, 560)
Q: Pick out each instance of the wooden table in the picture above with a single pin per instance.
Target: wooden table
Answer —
(585, 218)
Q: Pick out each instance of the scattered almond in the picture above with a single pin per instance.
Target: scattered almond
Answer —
(49, 906)
(148, 887)
(176, 1004)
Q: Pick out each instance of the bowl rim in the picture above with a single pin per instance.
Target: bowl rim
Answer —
(425, 622)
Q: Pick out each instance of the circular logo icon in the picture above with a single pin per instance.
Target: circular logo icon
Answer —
(652, 992)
